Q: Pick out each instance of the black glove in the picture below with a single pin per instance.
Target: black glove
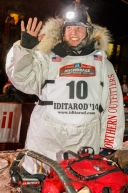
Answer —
(28, 41)
(106, 152)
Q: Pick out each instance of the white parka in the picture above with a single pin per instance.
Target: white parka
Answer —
(84, 95)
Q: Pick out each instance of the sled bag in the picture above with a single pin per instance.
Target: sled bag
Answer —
(89, 171)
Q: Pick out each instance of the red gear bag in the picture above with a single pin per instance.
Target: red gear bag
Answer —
(89, 173)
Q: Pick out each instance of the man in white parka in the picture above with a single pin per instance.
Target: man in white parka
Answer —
(80, 99)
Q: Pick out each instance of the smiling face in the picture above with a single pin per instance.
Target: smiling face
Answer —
(74, 35)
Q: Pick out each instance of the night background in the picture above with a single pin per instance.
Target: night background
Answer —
(112, 14)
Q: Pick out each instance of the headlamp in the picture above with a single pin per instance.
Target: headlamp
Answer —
(74, 16)
(70, 15)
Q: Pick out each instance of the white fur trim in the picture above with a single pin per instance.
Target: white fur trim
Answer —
(53, 35)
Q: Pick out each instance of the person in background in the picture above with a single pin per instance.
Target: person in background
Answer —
(11, 94)
(7, 84)
(125, 98)
(125, 88)
(80, 98)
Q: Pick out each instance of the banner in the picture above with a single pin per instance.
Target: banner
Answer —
(10, 122)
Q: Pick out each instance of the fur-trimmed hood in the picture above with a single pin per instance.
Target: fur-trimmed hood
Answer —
(53, 35)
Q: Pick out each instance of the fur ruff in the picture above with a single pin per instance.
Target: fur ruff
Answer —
(53, 35)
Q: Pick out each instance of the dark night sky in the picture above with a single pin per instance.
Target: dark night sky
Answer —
(112, 14)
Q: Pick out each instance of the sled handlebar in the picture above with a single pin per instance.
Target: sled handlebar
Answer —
(53, 164)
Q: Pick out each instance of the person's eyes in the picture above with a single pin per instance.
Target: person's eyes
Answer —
(68, 27)
(79, 28)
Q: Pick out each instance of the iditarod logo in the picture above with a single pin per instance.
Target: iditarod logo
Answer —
(77, 70)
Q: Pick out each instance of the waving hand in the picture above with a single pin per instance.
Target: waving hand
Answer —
(29, 35)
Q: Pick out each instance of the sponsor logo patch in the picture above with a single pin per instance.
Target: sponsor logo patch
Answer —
(77, 70)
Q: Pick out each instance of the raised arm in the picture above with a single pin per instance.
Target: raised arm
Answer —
(26, 67)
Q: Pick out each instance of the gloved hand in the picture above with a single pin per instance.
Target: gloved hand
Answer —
(29, 35)
(106, 152)
(28, 41)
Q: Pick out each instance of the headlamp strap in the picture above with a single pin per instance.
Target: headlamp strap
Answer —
(77, 3)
